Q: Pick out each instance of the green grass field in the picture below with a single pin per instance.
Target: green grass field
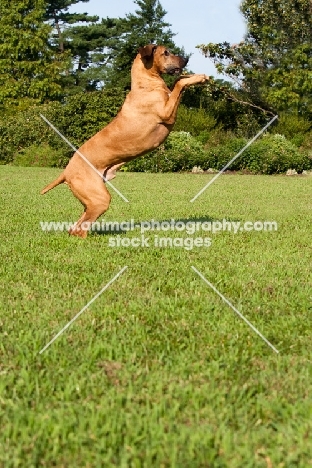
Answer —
(158, 371)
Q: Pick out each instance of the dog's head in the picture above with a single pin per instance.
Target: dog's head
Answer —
(162, 60)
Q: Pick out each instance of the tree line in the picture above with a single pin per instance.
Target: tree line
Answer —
(48, 52)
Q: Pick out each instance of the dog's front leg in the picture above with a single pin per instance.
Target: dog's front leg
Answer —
(169, 112)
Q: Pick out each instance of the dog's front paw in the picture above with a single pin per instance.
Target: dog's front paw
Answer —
(201, 78)
(195, 79)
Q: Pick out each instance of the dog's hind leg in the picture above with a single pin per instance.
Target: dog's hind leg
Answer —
(94, 196)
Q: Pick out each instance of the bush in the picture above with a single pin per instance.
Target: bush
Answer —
(248, 124)
(293, 127)
(274, 154)
(194, 121)
(306, 146)
(26, 139)
(39, 156)
(218, 157)
(26, 129)
(80, 117)
(180, 152)
(217, 137)
(85, 114)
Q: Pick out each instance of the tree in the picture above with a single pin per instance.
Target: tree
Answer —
(30, 71)
(273, 64)
(82, 37)
(145, 26)
(89, 46)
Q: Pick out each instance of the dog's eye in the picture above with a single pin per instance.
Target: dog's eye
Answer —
(167, 53)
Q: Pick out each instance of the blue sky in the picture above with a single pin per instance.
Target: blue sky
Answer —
(194, 21)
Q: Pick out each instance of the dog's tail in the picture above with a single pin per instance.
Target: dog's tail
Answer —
(59, 180)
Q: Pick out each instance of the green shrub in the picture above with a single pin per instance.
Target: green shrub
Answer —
(293, 127)
(26, 139)
(180, 152)
(219, 156)
(194, 121)
(85, 114)
(204, 137)
(80, 117)
(275, 154)
(217, 137)
(248, 124)
(272, 154)
(26, 129)
(306, 145)
(39, 156)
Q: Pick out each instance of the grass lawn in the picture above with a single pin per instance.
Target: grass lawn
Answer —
(158, 371)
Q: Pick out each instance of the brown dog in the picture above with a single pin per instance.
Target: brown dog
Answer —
(143, 123)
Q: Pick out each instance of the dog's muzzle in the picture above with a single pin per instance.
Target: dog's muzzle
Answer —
(177, 70)
(174, 71)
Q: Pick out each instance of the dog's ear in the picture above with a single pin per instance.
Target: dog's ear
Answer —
(147, 51)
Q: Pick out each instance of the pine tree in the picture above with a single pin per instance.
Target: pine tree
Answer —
(145, 26)
(89, 46)
(58, 16)
(85, 39)
(30, 71)
(67, 37)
